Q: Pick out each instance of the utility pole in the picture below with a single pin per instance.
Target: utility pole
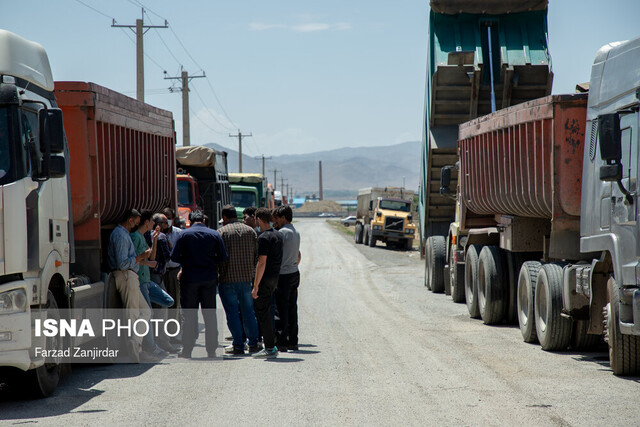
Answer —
(263, 159)
(320, 177)
(140, 30)
(282, 180)
(239, 136)
(185, 78)
(275, 178)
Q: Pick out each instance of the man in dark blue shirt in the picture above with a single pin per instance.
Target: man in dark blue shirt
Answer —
(198, 250)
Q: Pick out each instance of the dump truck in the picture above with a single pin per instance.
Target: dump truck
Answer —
(249, 189)
(548, 230)
(384, 215)
(65, 185)
(482, 56)
(203, 183)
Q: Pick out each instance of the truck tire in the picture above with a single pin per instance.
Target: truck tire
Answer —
(492, 289)
(372, 239)
(514, 262)
(580, 339)
(408, 245)
(623, 349)
(471, 280)
(456, 277)
(553, 329)
(357, 233)
(42, 381)
(526, 290)
(435, 260)
(366, 234)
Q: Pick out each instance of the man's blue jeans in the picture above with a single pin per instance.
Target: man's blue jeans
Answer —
(153, 293)
(237, 301)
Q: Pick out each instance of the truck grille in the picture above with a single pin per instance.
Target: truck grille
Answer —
(393, 224)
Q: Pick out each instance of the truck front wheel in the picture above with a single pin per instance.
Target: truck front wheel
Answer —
(553, 330)
(623, 349)
(42, 381)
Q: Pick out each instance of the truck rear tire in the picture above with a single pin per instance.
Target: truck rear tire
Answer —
(435, 260)
(42, 381)
(580, 339)
(526, 289)
(492, 289)
(456, 277)
(623, 349)
(366, 234)
(471, 280)
(553, 329)
(357, 233)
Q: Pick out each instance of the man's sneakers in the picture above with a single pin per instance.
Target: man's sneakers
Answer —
(254, 348)
(230, 349)
(266, 353)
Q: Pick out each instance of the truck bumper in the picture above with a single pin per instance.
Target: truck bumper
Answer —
(630, 311)
(15, 333)
(391, 236)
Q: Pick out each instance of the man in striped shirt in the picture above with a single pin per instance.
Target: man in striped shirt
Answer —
(235, 277)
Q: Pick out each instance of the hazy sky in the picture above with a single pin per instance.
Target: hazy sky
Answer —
(302, 76)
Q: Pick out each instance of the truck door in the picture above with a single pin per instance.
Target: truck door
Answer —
(624, 213)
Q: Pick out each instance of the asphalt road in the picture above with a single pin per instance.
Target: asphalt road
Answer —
(376, 348)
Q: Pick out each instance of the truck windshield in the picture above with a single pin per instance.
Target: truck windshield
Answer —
(395, 205)
(243, 199)
(185, 195)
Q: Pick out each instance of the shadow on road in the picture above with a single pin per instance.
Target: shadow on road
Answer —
(74, 391)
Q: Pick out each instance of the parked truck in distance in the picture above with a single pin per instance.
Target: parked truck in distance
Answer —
(547, 201)
(63, 195)
(384, 215)
(203, 182)
(249, 189)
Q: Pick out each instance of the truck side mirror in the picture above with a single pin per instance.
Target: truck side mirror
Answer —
(51, 130)
(445, 180)
(57, 167)
(370, 205)
(610, 147)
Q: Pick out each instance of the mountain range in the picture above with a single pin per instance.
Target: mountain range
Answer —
(344, 170)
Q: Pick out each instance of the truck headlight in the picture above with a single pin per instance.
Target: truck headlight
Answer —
(409, 231)
(377, 227)
(14, 301)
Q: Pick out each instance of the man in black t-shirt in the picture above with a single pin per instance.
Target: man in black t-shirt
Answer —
(266, 280)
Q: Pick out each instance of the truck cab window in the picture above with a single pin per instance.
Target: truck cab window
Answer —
(29, 137)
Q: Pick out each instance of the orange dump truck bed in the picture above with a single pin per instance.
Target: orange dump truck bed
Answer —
(122, 156)
(525, 161)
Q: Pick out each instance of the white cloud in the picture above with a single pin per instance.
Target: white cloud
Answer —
(302, 28)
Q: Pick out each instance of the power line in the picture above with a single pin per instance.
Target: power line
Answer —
(146, 54)
(162, 40)
(209, 111)
(94, 9)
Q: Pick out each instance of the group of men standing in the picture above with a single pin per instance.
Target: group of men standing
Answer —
(253, 266)
(250, 280)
